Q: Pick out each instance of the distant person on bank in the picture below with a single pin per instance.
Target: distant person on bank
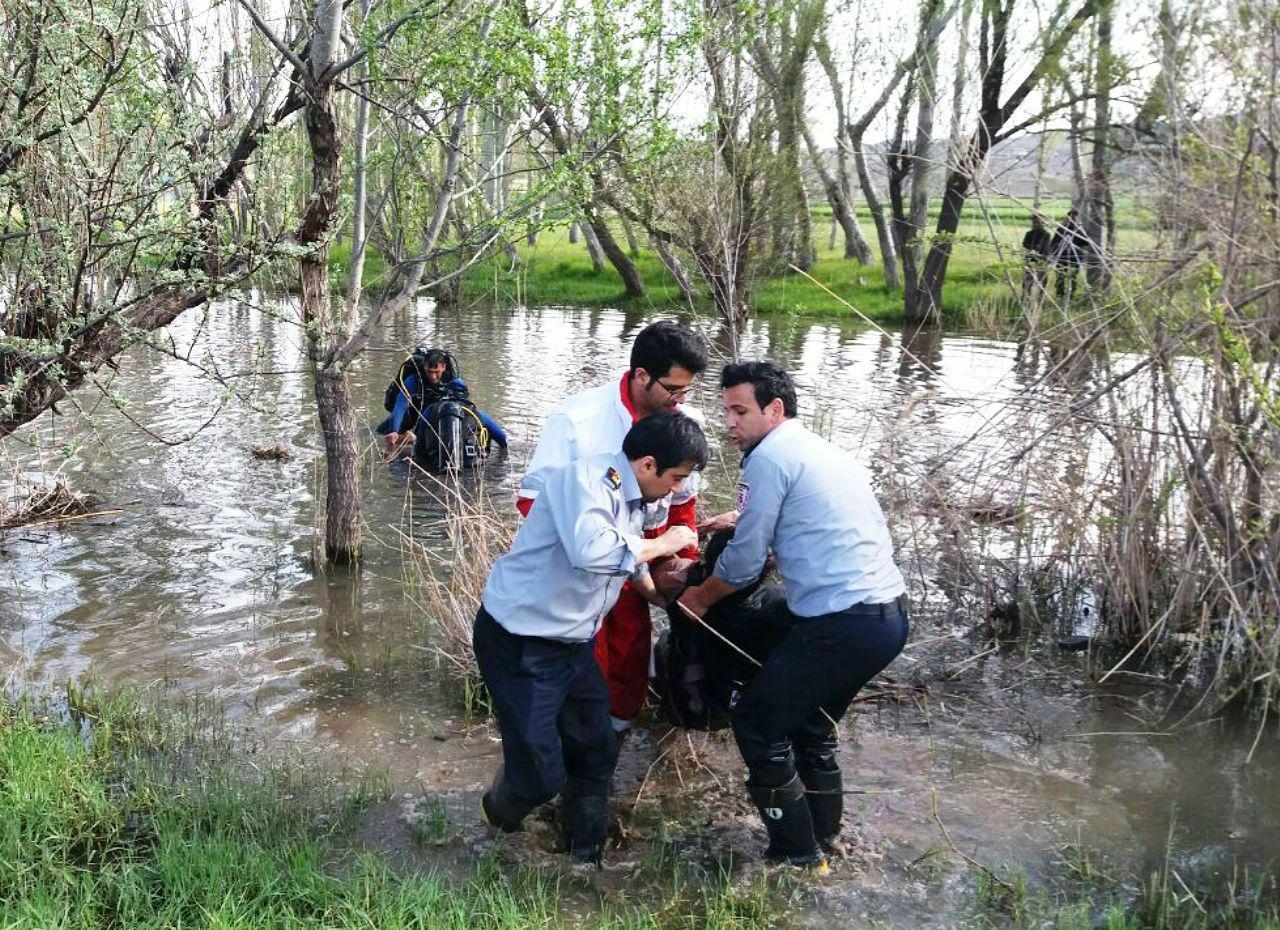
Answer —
(543, 607)
(1036, 245)
(1068, 252)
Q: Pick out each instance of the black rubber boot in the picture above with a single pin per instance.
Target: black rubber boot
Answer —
(825, 793)
(584, 813)
(790, 825)
(501, 809)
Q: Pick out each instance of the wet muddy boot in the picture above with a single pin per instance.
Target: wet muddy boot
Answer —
(584, 813)
(501, 809)
(825, 793)
(786, 816)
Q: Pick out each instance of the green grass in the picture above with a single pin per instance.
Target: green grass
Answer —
(116, 817)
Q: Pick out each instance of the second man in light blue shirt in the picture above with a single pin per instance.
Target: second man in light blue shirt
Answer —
(812, 505)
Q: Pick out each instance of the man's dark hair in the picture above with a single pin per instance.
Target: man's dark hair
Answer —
(430, 357)
(665, 343)
(671, 438)
(768, 381)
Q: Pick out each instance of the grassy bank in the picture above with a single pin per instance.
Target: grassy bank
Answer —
(557, 271)
(985, 269)
(113, 816)
(985, 266)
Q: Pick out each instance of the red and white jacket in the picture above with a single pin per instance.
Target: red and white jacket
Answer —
(595, 421)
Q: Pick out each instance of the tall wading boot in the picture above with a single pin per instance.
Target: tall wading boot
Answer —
(825, 793)
(786, 816)
(501, 808)
(584, 813)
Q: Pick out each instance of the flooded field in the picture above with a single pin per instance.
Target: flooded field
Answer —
(198, 577)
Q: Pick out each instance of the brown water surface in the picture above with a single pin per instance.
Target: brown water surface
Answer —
(203, 583)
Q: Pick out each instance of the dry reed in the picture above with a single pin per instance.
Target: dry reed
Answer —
(447, 581)
(40, 503)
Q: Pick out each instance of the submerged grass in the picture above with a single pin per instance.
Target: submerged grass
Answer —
(1096, 898)
(119, 817)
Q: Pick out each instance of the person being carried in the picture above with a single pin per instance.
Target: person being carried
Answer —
(542, 607)
(666, 359)
(427, 379)
(812, 505)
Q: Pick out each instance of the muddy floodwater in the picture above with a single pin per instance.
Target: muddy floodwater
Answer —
(198, 579)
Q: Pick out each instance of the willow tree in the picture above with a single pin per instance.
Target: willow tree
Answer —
(116, 171)
(782, 46)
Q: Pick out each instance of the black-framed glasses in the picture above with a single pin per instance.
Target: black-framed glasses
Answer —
(676, 392)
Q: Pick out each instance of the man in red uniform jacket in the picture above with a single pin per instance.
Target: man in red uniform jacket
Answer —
(666, 358)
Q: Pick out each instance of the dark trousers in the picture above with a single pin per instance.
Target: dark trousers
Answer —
(1066, 281)
(552, 708)
(784, 718)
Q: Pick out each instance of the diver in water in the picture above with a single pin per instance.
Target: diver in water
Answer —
(426, 394)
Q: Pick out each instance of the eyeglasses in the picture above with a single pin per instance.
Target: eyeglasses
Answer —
(675, 392)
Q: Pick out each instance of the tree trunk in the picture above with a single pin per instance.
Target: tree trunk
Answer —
(1097, 207)
(897, 160)
(626, 268)
(841, 210)
(677, 269)
(325, 328)
(1042, 154)
(342, 525)
(888, 254)
(781, 59)
(1075, 123)
(360, 199)
(929, 299)
(573, 233)
(633, 244)
(921, 152)
(533, 226)
(593, 247)
(956, 137)
(855, 246)
(342, 510)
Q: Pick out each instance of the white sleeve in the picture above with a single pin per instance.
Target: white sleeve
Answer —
(557, 447)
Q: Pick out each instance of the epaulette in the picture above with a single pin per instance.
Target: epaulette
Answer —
(613, 477)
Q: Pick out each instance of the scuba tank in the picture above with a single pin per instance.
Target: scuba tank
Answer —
(698, 676)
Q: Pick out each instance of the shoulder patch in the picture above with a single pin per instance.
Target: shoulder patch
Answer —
(614, 479)
(744, 494)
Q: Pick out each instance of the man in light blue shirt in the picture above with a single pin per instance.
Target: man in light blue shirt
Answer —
(540, 612)
(812, 505)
